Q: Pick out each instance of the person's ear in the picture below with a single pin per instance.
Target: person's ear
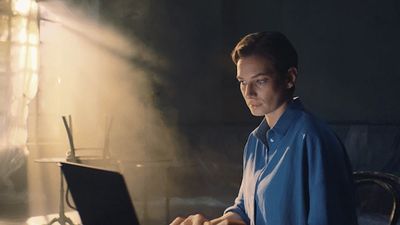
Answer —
(291, 79)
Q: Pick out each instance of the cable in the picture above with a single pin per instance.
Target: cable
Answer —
(67, 200)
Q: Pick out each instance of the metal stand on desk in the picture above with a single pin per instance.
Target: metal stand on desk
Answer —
(62, 219)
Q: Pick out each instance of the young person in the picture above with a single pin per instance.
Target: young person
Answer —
(295, 169)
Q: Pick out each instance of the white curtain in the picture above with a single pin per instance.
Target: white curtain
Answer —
(18, 82)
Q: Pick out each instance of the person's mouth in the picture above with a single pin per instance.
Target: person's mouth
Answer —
(254, 104)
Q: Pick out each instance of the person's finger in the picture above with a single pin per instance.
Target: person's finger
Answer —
(217, 221)
(227, 222)
(197, 219)
(221, 222)
(177, 221)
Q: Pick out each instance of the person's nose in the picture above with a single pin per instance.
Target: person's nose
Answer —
(249, 90)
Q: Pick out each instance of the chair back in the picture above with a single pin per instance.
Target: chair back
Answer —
(377, 196)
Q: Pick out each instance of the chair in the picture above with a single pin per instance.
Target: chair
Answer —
(377, 197)
(91, 154)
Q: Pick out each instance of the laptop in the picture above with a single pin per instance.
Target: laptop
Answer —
(101, 196)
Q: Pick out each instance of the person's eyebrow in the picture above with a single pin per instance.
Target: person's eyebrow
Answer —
(267, 74)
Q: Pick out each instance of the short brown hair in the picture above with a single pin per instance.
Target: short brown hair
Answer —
(270, 44)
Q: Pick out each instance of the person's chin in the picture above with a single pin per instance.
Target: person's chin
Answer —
(256, 113)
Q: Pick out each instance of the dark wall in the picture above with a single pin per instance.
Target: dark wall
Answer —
(187, 35)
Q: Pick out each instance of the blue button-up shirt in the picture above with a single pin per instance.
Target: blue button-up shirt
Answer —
(295, 173)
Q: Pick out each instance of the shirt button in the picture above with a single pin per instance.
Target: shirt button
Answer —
(271, 140)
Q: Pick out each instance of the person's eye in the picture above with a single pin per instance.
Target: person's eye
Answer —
(242, 82)
(261, 81)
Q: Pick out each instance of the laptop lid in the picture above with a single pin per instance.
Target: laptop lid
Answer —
(101, 196)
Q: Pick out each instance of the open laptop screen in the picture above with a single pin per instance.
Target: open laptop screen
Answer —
(101, 196)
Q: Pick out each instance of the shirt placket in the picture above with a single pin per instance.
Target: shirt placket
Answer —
(270, 148)
(259, 176)
(272, 141)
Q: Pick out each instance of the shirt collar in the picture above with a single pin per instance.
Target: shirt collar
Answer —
(283, 123)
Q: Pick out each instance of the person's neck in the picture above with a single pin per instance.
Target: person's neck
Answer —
(274, 116)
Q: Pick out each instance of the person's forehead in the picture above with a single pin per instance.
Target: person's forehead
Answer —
(253, 66)
(255, 61)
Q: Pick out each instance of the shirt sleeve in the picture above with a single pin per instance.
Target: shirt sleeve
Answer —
(238, 206)
(330, 184)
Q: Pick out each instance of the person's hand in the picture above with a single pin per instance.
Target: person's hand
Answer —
(197, 219)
